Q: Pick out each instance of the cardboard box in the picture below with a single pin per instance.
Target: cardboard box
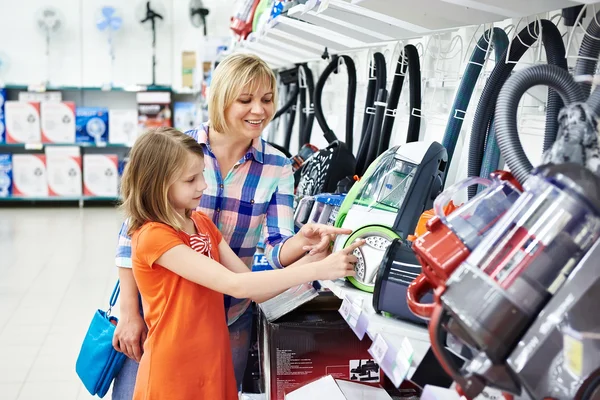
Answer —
(6, 175)
(101, 175)
(327, 388)
(2, 118)
(308, 344)
(22, 122)
(122, 126)
(188, 68)
(58, 122)
(154, 110)
(64, 171)
(92, 125)
(185, 116)
(29, 175)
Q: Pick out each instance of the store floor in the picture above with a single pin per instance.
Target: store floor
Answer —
(56, 269)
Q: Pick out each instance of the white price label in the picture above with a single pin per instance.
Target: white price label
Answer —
(34, 146)
(403, 361)
(350, 312)
(323, 6)
(379, 348)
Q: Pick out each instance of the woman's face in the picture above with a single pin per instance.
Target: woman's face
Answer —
(251, 112)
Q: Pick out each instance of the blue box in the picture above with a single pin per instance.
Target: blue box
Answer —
(185, 116)
(6, 175)
(2, 118)
(92, 125)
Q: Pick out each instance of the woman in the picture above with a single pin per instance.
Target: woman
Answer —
(249, 183)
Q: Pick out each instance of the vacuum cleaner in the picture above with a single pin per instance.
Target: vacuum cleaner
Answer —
(526, 263)
(450, 239)
(399, 185)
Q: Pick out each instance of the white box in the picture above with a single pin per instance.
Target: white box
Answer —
(122, 126)
(22, 122)
(58, 122)
(30, 175)
(64, 171)
(328, 388)
(101, 175)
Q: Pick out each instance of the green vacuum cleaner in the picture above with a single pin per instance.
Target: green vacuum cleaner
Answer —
(404, 179)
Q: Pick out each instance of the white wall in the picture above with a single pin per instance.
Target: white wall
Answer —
(79, 52)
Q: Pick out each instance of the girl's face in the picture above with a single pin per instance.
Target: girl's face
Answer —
(251, 112)
(186, 191)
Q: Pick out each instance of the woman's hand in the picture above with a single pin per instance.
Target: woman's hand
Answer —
(130, 336)
(318, 237)
(340, 264)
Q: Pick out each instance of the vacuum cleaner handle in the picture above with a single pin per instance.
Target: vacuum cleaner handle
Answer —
(417, 289)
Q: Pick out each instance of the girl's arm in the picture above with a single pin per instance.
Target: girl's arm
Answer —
(184, 261)
(233, 263)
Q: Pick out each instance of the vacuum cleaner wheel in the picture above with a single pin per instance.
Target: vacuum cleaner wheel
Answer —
(378, 238)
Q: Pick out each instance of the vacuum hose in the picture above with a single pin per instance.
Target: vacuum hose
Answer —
(414, 80)
(589, 53)
(499, 41)
(555, 52)
(508, 101)
(306, 121)
(351, 98)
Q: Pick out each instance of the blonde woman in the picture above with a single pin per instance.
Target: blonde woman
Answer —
(250, 186)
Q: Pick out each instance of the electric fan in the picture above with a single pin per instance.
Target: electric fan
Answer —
(198, 14)
(49, 21)
(109, 22)
(152, 14)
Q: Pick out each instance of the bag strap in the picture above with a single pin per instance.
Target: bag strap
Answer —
(113, 297)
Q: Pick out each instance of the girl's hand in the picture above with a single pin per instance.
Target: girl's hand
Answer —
(340, 264)
(318, 237)
(130, 336)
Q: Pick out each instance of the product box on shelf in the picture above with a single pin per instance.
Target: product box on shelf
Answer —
(92, 125)
(154, 110)
(101, 175)
(185, 116)
(122, 126)
(58, 122)
(6, 175)
(64, 171)
(29, 175)
(22, 122)
(337, 389)
(311, 342)
(2, 118)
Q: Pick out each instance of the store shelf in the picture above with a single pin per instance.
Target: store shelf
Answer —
(40, 146)
(398, 346)
(132, 88)
(57, 199)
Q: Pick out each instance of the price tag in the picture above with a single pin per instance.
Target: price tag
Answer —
(379, 348)
(402, 361)
(350, 312)
(323, 6)
(34, 146)
(100, 144)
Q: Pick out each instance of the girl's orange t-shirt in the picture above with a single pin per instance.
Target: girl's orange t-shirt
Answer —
(187, 353)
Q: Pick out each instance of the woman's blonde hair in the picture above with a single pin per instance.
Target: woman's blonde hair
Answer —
(156, 159)
(232, 75)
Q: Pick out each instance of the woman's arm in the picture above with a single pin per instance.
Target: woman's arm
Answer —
(253, 285)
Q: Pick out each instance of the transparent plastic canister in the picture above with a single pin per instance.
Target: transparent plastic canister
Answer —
(471, 221)
(530, 252)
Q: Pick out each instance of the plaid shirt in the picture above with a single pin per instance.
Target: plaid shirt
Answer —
(255, 197)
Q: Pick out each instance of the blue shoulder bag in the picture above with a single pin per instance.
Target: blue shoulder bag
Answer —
(98, 362)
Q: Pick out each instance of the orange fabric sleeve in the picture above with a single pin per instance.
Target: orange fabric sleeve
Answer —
(153, 240)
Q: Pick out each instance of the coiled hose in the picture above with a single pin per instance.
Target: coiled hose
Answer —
(377, 84)
(414, 80)
(555, 53)
(350, 100)
(306, 119)
(589, 53)
(372, 141)
(496, 38)
(508, 101)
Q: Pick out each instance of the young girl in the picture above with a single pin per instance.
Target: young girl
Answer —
(182, 267)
